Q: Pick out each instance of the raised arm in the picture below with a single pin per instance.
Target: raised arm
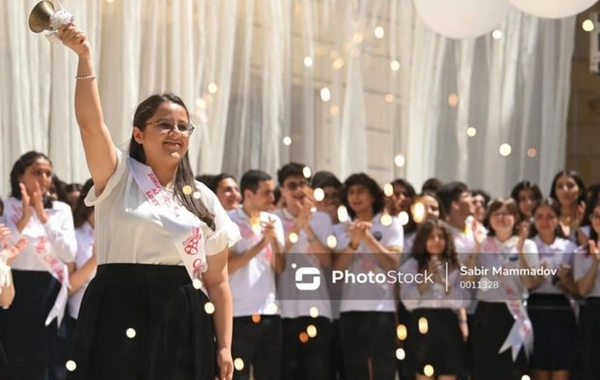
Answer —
(100, 152)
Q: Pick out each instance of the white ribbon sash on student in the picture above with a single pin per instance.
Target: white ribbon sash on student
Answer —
(183, 227)
(521, 333)
(43, 252)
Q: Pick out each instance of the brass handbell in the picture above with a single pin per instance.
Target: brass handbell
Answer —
(39, 18)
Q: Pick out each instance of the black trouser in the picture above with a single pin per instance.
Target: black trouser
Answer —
(369, 340)
(337, 369)
(259, 346)
(306, 358)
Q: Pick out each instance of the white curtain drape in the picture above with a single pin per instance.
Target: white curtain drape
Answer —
(258, 74)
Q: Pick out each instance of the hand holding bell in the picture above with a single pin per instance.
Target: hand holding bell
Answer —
(45, 17)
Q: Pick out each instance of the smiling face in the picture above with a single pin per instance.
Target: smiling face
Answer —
(545, 219)
(436, 242)
(567, 190)
(228, 193)
(165, 136)
(360, 199)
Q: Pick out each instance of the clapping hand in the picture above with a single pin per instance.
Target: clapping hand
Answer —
(593, 247)
(12, 252)
(268, 230)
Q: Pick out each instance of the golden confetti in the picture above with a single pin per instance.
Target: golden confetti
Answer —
(386, 220)
(209, 307)
(334, 54)
(531, 152)
(319, 194)
(287, 140)
(395, 65)
(71, 366)
(331, 241)
(306, 172)
(358, 37)
(403, 218)
(256, 318)
(342, 214)
(428, 370)
(400, 354)
(238, 364)
(379, 32)
(303, 337)
(272, 309)
(334, 110)
(423, 325)
(308, 61)
(256, 228)
(471, 132)
(325, 94)
(418, 211)
(130, 333)
(212, 88)
(311, 330)
(314, 312)
(388, 189)
(338, 63)
(453, 100)
(588, 25)
(401, 332)
(497, 34)
(389, 98)
(197, 283)
(197, 195)
(293, 237)
(187, 189)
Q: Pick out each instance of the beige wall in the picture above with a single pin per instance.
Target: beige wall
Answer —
(583, 125)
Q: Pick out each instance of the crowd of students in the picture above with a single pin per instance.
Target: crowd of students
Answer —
(458, 325)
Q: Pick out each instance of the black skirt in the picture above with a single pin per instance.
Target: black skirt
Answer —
(590, 340)
(28, 343)
(143, 322)
(491, 324)
(555, 331)
(441, 346)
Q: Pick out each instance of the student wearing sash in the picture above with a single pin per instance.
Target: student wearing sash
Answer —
(253, 262)
(162, 245)
(370, 243)
(568, 189)
(549, 306)
(436, 327)
(586, 267)
(29, 330)
(83, 269)
(583, 232)
(305, 356)
(227, 190)
(7, 255)
(502, 336)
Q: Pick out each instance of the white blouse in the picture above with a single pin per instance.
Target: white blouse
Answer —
(129, 231)
(85, 250)
(58, 231)
(560, 252)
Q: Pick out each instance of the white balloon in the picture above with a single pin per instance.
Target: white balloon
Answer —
(553, 8)
(462, 18)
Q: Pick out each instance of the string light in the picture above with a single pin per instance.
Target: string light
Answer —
(308, 61)
(588, 25)
(325, 94)
(505, 150)
(379, 32)
(212, 88)
(395, 65)
(71, 365)
(287, 140)
(130, 333)
(497, 34)
(471, 132)
(399, 160)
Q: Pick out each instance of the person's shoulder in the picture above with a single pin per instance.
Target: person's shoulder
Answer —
(60, 206)
(322, 217)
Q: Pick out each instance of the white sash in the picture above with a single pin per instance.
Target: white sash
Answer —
(183, 226)
(521, 333)
(51, 262)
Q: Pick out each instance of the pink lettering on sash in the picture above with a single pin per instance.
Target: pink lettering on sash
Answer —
(55, 264)
(190, 245)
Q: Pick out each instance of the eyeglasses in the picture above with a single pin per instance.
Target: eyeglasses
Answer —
(293, 186)
(165, 126)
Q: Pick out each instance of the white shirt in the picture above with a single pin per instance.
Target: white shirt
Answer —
(559, 252)
(253, 285)
(129, 231)
(494, 254)
(85, 250)
(367, 296)
(435, 297)
(582, 261)
(294, 302)
(58, 231)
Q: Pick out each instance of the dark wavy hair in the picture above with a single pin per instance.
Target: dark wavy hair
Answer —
(578, 180)
(81, 212)
(419, 250)
(554, 206)
(184, 176)
(18, 169)
(526, 185)
(361, 179)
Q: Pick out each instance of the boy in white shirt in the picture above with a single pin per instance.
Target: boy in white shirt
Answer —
(252, 264)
